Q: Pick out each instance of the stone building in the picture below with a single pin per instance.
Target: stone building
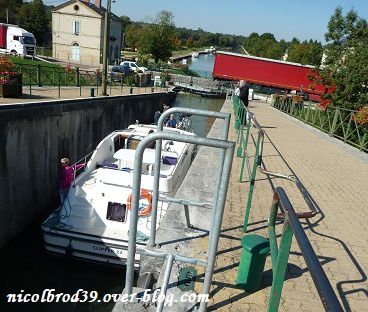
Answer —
(78, 33)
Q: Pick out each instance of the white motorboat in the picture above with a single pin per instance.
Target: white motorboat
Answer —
(195, 54)
(93, 223)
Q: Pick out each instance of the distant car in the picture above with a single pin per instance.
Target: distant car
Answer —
(120, 71)
(134, 67)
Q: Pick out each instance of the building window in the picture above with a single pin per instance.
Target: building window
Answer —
(75, 52)
(76, 26)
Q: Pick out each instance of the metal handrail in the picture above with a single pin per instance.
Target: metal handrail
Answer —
(240, 112)
(84, 160)
(160, 126)
(216, 219)
(280, 255)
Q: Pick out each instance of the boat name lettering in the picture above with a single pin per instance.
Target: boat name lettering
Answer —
(108, 249)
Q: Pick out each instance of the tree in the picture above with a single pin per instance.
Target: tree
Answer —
(177, 42)
(309, 53)
(133, 33)
(346, 66)
(33, 17)
(190, 42)
(125, 21)
(158, 38)
(264, 45)
(13, 9)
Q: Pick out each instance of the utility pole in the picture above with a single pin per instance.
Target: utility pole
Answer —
(7, 15)
(106, 47)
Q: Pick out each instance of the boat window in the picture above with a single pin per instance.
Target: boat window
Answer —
(116, 212)
(133, 144)
(120, 141)
(168, 160)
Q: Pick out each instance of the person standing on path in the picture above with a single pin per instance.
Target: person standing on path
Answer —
(244, 92)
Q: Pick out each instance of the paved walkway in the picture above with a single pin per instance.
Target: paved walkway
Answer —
(336, 175)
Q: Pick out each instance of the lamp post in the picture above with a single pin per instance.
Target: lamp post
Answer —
(106, 47)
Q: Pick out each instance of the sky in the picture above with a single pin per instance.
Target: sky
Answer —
(303, 19)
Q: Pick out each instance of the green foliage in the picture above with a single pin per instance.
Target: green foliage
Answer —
(309, 53)
(190, 42)
(130, 80)
(346, 66)
(265, 46)
(125, 21)
(198, 38)
(13, 8)
(158, 38)
(33, 17)
(133, 33)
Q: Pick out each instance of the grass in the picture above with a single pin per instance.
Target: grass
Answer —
(29, 62)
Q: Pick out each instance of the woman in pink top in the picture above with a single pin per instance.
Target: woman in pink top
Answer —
(66, 177)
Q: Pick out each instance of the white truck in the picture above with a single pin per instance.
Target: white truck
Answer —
(16, 40)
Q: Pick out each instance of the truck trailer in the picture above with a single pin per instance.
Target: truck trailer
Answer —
(16, 40)
(267, 72)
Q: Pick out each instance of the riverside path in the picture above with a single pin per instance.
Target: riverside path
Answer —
(336, 176)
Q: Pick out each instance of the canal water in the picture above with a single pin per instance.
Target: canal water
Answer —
(202, 65)
(25, 268)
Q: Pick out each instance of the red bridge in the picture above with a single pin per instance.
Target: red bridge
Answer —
(267, 72)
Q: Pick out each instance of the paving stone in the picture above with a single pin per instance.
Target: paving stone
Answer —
(334, 175)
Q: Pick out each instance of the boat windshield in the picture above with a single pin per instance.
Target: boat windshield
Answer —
(129, 155)
(27, 40)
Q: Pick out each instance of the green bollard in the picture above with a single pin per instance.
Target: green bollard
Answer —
(237, 124)
(255, 249)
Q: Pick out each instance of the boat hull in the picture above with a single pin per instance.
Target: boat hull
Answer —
(82, 246)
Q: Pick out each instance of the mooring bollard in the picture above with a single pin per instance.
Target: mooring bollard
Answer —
(92, 92)
(255, 249)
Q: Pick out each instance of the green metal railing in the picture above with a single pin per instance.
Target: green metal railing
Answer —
(73, 77)
(280, 255)
(245, 119)
(337, 122)
(44, 75)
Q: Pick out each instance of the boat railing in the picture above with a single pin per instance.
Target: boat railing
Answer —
(77, 169)
(245, 120)
(217, 205)
(280, 255)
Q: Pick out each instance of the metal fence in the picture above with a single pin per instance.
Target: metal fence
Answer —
(244, 118)
(336, 121)
(48, 80)
(280, 255)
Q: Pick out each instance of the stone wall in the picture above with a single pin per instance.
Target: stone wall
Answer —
(34, 136)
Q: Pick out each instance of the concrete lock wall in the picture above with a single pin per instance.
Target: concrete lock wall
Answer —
(34, 136)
